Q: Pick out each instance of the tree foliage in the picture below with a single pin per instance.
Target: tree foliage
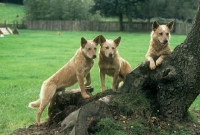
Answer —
(146, 9)
(115, 8)
(57, 9)
(176, 9)
(82, 9)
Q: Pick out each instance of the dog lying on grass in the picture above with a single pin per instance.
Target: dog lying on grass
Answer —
(111, 63)
(159, 44)
(74, 71)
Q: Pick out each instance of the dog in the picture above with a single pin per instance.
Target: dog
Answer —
(77, 68)
(159, 44)
(111, 63)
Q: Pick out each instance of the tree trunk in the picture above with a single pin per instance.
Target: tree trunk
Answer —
(121, 22)
(129, 15)
(176, 81)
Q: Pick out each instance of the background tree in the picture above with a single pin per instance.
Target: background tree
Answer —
(81, 10)
(117, 8)
(174, 9)
(75, 10)
(57, 9)
(109, 8)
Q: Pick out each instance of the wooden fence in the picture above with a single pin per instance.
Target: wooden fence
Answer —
(13, 25)
(179, 28)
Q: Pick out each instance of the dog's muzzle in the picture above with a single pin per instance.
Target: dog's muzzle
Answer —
(94, 56)
(110, 55)
(164, 43)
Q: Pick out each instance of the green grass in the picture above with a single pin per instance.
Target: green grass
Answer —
(26, 60)
(9, 12)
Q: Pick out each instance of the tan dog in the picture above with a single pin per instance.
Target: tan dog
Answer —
(74, 71)
(111, 63)
(159, 44)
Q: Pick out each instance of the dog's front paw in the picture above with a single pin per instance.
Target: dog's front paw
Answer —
(152, 65)
(85, 95)
(158, 61)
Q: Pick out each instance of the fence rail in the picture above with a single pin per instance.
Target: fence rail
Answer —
(179, 28)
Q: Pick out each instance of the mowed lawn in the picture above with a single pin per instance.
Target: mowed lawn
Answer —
(26, 60)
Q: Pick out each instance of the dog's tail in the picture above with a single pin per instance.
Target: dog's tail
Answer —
(34, 104)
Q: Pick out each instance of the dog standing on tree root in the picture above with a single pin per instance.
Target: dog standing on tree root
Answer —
(74, 71)
(111, 63)
(159, 44)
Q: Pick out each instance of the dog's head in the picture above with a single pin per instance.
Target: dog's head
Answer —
(161, 33)
(109, 47)
(89, 47)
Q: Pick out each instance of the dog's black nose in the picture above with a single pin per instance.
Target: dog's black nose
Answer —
(94, 56)
(110, 55)
(165, 41)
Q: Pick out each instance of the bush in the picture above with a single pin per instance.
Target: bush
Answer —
(57, 9)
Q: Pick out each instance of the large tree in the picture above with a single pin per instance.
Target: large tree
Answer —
(117, 8)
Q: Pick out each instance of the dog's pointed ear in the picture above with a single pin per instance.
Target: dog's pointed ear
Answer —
(170, 25)
(117, 40)
(155, 25)
(97, 40)
(83, 42)
(101, 39)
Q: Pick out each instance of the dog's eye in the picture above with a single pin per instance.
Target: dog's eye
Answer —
(89, 48)
(167, 34)
(161, 34)
(113, 48)
(95, 49)
(107, 47)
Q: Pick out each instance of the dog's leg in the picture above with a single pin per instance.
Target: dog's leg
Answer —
(102, 77)
(53, 101)
(115, 80)
(47, 92)
(152, 64)
(88, 80)
(39, 113)
(160, 59)
(80, 78)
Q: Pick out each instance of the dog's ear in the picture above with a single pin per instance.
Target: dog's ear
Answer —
(83, 42)
(97, 39)
(155, 25)
(101, 39)
(117, 41)
(170, 25)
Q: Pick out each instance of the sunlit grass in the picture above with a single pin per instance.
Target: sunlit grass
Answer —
(26, 60)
